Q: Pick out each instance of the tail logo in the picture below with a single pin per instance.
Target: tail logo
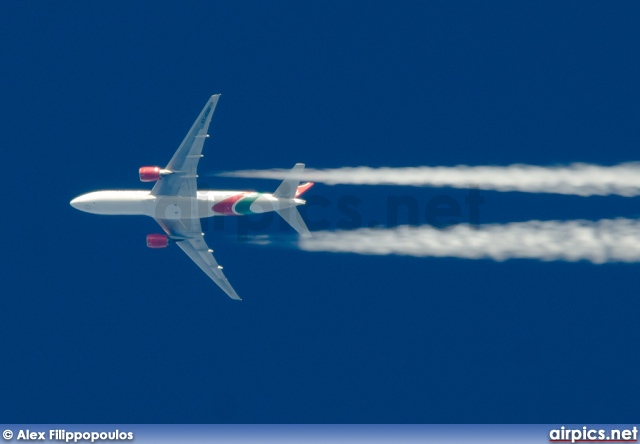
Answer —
(303, 188)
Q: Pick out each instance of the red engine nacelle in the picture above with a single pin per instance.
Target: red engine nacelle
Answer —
(149, 174)
(157, 241)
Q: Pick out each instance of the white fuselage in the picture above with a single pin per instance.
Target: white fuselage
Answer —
(205, 204)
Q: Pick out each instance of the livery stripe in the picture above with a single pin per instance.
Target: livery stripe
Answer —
(243, 206)
(226, 206)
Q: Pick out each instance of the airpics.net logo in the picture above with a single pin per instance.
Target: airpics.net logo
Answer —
(586, 434)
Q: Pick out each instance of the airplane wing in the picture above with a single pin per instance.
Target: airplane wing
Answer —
(186, 230)
(184, 162)
(197, 249)
(194, 245)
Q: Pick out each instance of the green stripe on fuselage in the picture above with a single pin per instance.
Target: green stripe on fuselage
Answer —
(243, 205)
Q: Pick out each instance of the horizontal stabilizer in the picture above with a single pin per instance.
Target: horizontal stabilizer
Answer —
(289, 186)
(293, 218)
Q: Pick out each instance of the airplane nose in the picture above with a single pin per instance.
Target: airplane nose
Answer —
(74, 203)
(80, 203)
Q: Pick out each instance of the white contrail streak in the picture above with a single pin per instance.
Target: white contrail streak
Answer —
(607, 240)
(578, 178)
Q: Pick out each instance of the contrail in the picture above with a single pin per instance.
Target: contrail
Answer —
(607, 240)
(578, 178)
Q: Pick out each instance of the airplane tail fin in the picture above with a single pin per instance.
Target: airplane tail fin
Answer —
(303, 188)
(290, 188)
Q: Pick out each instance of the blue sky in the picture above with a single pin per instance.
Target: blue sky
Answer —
(98, 328)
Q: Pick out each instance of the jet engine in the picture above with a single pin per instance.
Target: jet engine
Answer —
(149, 174)
(157, 241)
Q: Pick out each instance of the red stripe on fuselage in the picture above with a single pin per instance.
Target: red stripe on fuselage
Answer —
(226, 206)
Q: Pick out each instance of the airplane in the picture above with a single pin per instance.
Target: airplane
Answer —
(177, 205)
